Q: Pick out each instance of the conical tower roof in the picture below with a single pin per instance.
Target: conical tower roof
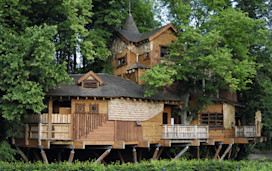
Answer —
(130, 25)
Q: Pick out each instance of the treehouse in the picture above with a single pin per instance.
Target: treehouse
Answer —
(110, 112)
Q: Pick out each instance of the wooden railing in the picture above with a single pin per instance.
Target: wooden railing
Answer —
(37, 127)
(245, 131)
(185, 132)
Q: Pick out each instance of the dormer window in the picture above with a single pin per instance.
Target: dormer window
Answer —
(122, 61)
(90, 84)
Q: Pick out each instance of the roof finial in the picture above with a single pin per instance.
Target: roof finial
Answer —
(129, 10)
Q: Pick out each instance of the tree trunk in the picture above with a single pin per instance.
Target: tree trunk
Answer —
(184, 112)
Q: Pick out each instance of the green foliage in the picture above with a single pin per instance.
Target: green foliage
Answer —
(6, 152)
(205, 165)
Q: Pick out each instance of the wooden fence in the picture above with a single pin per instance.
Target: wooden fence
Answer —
(185, 132)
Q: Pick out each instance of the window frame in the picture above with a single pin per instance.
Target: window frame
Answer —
(82, 105)
(214, 120)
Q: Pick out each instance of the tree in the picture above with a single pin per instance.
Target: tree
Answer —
(213, 56)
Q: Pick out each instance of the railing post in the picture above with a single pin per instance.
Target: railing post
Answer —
(195, 131)
(177, 131)
(244, 131)
(40, 133)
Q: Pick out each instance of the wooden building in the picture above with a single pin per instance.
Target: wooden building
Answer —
(111, 112)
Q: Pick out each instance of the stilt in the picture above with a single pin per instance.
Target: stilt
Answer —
(168, 154)
(36, 155)
(155, 153)
(103, 156)
(22, 154)
(217, 151)
(59, 156)
(160, 152)
(197, 153)
(237, 151)
(44, 156)
(182, 152)
(226, 152)
(134, 155)
(229, 154)
(140, 155)
(121, 157)
(72, 154)
(207, 153)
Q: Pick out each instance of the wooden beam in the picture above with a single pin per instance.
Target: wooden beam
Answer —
(229, 154)
(237, 151)
(166, 143)
(228, 141)
(134, 153)
(22, 154)
(182, 152)
(240, 140)
(144, 144)
(44, 156)
(119, 145)
(209, 141)
(103, 156)
(195, 143)
(226, 152)
(217, 151)
(155, 153)
(121, 157)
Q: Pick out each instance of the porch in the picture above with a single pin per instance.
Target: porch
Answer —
(246, 131)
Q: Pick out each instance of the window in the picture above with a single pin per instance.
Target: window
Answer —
(214, 120)
(164, 51)
(146, 56)
(90, 83)
(165, 118)
(122, 61)
(80, 108)
(94, 108)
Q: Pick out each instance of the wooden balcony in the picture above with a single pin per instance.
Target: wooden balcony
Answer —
(37, 126)
(245, 131)
(185, 132)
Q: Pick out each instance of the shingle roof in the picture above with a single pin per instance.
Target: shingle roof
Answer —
(137, 65)
(130, 25)
(113, 86)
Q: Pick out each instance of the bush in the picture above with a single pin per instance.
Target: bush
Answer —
(187, 165)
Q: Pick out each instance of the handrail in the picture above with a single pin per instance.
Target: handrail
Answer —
(185, 131)
(245, 131)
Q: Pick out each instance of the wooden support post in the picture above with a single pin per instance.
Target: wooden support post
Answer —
(103, 156)
(217, 151)
(237, 151)
(50, 112)
(229, 154)
(160, 152)
(121, 157)
(36, 155)
(208, 152)
(44, 156)
(72, 154)
(140, 155)
(182, 152)
(155, 153)
(22, 154)
(226, 152)
(198, 153)
(26, 134)
(134, 155)
(40, 132)
(59, 156)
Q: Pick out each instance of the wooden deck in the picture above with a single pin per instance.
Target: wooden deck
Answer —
(185, 132)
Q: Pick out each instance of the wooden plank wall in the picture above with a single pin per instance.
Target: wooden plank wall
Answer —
(128, 131)
(152, 129)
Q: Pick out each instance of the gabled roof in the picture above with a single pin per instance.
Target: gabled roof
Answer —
(113, 86)
(90, 73)
(137, 65)
(137, 37)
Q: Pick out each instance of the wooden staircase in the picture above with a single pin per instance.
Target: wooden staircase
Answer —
(84, 123)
